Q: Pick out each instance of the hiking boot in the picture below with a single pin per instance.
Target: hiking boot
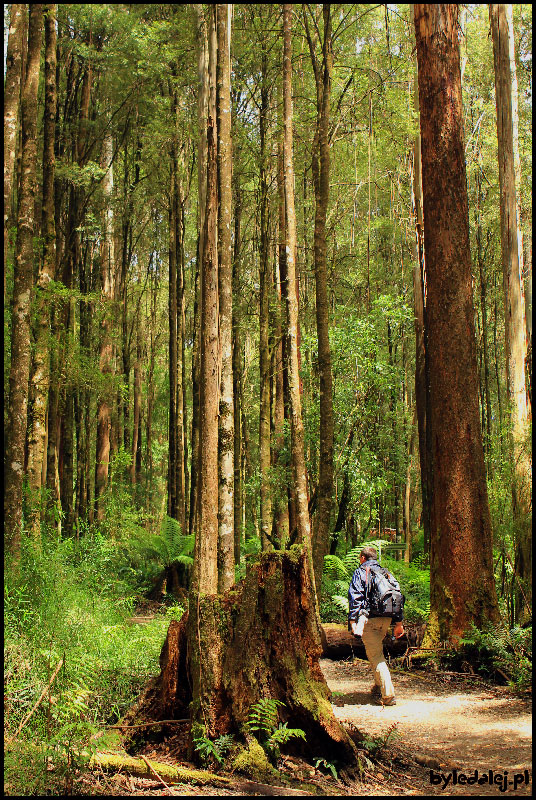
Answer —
(375, 691)
(388, 701)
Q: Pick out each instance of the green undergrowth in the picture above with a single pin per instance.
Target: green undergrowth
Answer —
(68, 603)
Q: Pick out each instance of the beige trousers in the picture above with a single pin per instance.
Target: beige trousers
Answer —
(373, 634)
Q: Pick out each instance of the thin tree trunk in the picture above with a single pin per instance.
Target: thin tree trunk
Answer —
(514, 305)
(462, 583)
(202, 111)
(225, 272)
(39, 377)
(237, 372)
(282, 510)
(181, 422)
(297, 450)
(105, 358)
(23, 280)
(172, 317)
(13, 71)
(264, 336)
(136, 429)
(321, 170)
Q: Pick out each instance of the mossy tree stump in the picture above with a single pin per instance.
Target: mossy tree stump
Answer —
(260, 639)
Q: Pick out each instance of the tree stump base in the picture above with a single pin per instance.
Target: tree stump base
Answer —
(261, 639)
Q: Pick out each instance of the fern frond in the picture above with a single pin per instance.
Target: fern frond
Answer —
(336, 566)
(263, 715)
(341, 602)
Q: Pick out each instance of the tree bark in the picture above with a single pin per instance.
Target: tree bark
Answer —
(173, 342)
(321, 170)
(225, 272)
(205, 579)
(249, 661)
(422, 384)
(462, 582)
(12, 83)
(237, 376)
(514, 304)
(105, 358)
(264, 321)
(39, 377)
(23, 280)
(297, 450)
(202, 111)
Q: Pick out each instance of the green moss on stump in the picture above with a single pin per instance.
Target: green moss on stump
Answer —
(253, 762)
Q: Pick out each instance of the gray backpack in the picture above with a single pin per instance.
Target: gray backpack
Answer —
(383, 593)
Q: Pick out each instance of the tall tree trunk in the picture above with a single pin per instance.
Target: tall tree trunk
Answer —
(237, 372)
(181, 419)
(484, 311)
(286, 516)
(225, 273)
(264, 318)
(105, 358)
(172, 316)
(136, 428)
(321, 168)
(422, 384)
(297, 449)
(514, 305)
(13, 71)
(202, 110)
(205, 578)
(39, 377)
(22, 287)
(462, 582)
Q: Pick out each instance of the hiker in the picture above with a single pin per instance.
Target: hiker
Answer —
(375, 601)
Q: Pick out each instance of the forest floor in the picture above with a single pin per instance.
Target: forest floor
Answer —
(440, 724)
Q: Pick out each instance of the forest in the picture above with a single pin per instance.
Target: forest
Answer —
(267, 302)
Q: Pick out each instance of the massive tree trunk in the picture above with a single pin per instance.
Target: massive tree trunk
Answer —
(297, 448)
(225, 272)
(23, 280)
(11, 112)
(514, 304)
(39, 377)
(422, 384)
(462, 583)
(321, 167)
(263, 640)
(206, 544)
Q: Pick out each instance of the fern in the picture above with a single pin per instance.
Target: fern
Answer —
(263, 715)
(341, 602)
(282, 734)
(166, 547)
(213, 750)
(263, 718)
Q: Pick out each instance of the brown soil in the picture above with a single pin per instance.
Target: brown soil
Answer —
(460, 724)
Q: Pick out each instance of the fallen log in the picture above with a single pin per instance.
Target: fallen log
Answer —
(171, 774)
(338, 642)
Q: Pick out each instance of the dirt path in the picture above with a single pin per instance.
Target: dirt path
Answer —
(462, 727)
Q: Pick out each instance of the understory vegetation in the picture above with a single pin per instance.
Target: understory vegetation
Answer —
(71, 601)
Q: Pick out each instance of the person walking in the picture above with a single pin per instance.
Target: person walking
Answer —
(375, 602)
